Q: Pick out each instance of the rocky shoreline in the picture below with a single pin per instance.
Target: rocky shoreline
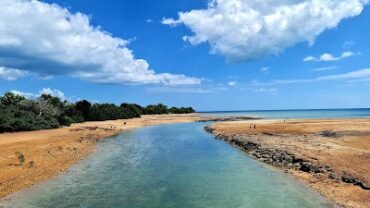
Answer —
(227, 118)
(286, 160)
(320, 154)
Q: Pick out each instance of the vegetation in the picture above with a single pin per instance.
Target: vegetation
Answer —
(18, 113)
(21, 158)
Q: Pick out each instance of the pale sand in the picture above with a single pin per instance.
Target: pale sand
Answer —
(347, 153)
(50, 152)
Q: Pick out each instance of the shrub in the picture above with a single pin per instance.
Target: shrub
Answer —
(21, 158)
(46, 112)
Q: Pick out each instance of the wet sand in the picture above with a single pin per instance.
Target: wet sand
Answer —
(27, 158)
(330, 155)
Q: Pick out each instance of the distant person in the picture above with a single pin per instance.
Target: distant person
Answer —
(255, 126)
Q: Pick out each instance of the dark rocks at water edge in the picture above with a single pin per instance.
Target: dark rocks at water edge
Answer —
(286, 160)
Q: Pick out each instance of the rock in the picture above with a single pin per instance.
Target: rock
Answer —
(328, 133)
(365, 186)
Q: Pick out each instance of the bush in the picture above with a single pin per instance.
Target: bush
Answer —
(46, 112)
(65, 120)
(21, 158)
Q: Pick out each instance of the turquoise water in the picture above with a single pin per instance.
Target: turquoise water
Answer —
(168, 166)
(318, 113)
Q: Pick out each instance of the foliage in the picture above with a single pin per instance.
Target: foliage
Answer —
(156, 109)
(21, 158)
(18, 113)
(181, 110)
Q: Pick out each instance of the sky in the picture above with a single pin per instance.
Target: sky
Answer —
(211, 55)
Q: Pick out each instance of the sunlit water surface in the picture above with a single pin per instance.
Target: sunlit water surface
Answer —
(314, 113)
(168, 166)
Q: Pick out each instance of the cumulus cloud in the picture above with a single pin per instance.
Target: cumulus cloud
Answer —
(48, 40)
(10, 74)
(249, 29)
(329, 57)
(53, 92)
(47, 91)
(24, 94)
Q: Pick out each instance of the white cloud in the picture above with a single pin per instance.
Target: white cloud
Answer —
(348, 44)
(329, 57)
(249, 29)
(232, 83)
(359, 75)
(319, 69)
(49, 40)
(265, 69)
(48, 91)
(309, 58)
(53, 92)
(24, 94)
(170, 22)
(190, 90)
(261, 89)
(10, 74)
(208, 88)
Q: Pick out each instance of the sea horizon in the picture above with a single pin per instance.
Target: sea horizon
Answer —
(296, 113)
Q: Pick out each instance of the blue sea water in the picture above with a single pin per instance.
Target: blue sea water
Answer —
(178, 166)
(309, 113)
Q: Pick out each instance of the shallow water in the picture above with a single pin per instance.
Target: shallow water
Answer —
(168, 166)
(315, 113)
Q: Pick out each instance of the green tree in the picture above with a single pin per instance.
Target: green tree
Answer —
(11, 99)
(85, 107)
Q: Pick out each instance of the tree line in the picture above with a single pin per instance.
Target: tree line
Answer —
(18, 113)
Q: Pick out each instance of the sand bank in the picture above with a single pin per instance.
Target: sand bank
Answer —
(331, 156)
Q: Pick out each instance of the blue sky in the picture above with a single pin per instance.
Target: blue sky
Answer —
(309, 62)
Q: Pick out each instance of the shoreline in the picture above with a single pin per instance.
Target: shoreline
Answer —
(331, 156)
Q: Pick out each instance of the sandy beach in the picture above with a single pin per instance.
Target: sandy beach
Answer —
(30, 157)
(331, 156)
